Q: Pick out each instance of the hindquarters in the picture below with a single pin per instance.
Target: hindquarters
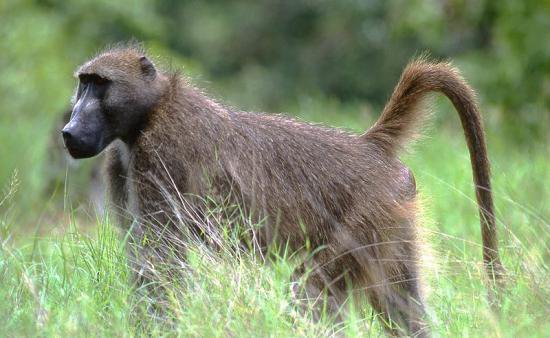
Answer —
(374, 256)
(388, 266)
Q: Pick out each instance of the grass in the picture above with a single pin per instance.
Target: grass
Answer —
(67, 278)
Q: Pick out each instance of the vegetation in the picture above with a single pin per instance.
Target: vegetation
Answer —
(64, 271)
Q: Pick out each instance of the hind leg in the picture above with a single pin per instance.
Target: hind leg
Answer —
(399, 301)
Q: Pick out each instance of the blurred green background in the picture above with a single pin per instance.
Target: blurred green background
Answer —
(328, 61)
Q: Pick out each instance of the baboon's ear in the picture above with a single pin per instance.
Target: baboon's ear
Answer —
(147, 67)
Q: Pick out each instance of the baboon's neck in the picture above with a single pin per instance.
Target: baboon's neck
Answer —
(186, 124)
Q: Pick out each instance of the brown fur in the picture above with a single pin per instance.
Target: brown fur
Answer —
(347, 194)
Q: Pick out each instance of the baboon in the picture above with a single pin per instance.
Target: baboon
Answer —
(347, 194)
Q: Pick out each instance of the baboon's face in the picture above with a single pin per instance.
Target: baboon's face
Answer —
(115, 93)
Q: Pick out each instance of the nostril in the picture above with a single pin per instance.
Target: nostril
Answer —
(66, 134)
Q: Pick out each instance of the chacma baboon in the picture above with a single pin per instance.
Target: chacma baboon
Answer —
(346, 193)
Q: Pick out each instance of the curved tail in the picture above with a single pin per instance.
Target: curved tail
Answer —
(399, 122)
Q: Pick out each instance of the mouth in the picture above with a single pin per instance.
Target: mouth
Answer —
(78, 152)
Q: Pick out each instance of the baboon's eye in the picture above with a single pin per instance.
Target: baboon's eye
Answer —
(93, 78)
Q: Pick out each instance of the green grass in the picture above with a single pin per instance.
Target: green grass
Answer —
(67, 278)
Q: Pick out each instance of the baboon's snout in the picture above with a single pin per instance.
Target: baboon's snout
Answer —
(80, 142)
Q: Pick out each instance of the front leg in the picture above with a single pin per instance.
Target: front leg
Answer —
(116, 171)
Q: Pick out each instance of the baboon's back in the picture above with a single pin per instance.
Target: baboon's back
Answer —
(325, 178)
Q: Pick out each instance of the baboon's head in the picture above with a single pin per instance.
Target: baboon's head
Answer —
(116, 92)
